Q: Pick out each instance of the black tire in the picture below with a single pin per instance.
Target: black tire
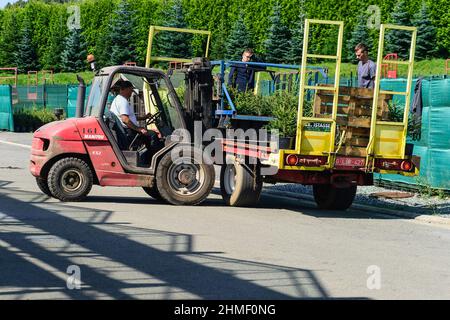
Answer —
(328, 197)
(246, 189)
(153, 192)
(43, 186)
(70, 179)
(198, 178)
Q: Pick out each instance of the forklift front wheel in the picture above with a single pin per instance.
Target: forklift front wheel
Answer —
(329, 197)
(70, 179)
(182, 180)
(240, 185)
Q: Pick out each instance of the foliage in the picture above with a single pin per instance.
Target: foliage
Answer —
(238, 41)
(276, 49)
(399, 41)
(296, 42)
(32, 119)
(26, 55)
(360, 34)
(426, 34)
(48, 28)
(74, 55)
(284, 110)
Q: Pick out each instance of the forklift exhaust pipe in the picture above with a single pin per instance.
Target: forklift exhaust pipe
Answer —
(80, 98)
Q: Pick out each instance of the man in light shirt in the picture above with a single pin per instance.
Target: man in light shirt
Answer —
(123, 110)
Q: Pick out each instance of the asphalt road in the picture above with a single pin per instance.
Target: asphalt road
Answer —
(128, 246)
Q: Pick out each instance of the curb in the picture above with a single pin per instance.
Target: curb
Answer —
(363, 207)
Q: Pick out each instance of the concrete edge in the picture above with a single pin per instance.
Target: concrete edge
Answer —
(363, 207)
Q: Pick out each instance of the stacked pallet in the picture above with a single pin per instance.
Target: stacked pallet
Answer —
(353, 116)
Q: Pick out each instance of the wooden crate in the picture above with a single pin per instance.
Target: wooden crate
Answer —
(354, 115)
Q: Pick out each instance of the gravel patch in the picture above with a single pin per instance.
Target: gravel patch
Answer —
(417, 204)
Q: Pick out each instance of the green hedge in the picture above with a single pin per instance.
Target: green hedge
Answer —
(49, 22)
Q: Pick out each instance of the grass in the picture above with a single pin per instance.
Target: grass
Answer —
(58, 78)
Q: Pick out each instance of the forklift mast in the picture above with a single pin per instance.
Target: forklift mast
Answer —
(198, 97)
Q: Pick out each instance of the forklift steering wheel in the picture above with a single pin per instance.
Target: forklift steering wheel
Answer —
(152, 118)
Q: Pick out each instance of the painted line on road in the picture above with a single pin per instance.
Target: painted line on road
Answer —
(15, 144)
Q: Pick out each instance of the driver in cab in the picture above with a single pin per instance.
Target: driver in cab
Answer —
(123, 110)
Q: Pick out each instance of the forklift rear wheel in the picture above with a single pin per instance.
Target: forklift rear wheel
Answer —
(240, 187)
(184, 181)
(153, 192)
(329, 197)
(70, 179)
(43, 186)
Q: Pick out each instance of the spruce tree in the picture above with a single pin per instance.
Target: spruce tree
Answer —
(399, 41)
(277, 43)
(26, 55)
(57, 32)
(296, 43)
(121, 36)
(74, 55)
(174, 44)
(238, 41)
(360, 34)
(426, 34)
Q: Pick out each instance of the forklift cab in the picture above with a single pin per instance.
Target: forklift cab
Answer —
(167, 116)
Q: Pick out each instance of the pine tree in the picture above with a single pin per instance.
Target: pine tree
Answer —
(399, 41)
(238, 41)
(26, 56)
(426, 34)
(277, 43)
(74, 55)
(171, 44)
(121, 37)
(296, 43)
(55, 47)
(360, 34)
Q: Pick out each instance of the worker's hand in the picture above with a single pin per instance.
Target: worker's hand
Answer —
(143, 131)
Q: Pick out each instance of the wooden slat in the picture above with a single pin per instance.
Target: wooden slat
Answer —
(353, 121)
(352, 151)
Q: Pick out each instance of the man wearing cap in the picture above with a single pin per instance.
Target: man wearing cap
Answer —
(123, 110)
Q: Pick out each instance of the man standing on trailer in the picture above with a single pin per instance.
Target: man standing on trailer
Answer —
(366, 68)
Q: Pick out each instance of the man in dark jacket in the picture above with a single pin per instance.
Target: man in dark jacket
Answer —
(241, 76)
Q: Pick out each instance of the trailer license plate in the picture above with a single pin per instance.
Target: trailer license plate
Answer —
(350, 162)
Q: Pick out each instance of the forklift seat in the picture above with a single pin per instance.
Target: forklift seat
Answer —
(118, 131)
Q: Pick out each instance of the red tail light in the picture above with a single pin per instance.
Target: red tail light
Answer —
(406, 166)
(292, 160)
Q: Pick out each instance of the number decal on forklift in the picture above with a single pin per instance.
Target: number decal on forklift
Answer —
(317, 126)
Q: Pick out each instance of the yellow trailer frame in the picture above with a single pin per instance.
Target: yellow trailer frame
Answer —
(154, 30)
(387, 139)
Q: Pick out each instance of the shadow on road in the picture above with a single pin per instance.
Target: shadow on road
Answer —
(39, 240)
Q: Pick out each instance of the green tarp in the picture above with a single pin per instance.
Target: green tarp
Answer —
(6, 116)
(434, 144)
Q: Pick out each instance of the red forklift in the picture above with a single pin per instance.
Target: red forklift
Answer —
(70, 156)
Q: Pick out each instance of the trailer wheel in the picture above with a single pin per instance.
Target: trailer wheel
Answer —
(328, 197)
(182, 180)
(43, 186)
(153, 192)
(240, 187)
(70, 179)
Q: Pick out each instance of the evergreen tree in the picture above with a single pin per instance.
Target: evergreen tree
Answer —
(276, 45)
(121, 37)
(9, 39)
(171, 44)
(426, 34)
(296, 43)
(74, 55)
(57, 32)
(238, 41)
(399, 41)
(360, 34)
(26, 56)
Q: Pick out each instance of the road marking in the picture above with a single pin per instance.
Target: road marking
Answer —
(16, 144)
